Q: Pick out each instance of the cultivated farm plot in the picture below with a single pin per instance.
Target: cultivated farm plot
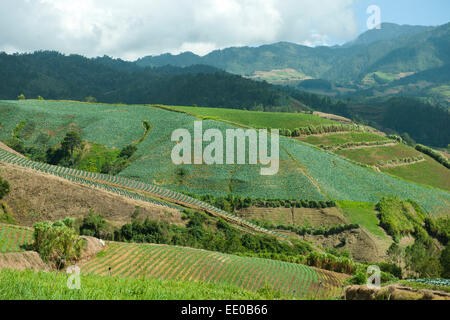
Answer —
(371, 156)
(180, 263)
(343, 180)
(428, 172)
(133, 189)
(258, 119)
(305, 171)
(13, 238)
(342, 138)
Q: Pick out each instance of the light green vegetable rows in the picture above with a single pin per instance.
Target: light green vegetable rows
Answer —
(187, 264)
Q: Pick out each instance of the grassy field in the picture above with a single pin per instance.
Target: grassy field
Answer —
(342, 138)
(305, 172)
(371, 156)
(12, 238)
(257, 119)
(429, 172)
(363, 214)
(186, 264)
(30, 285)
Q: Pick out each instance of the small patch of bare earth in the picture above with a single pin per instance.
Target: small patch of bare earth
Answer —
(297, 216)
(372, 146)
(23, 261)
(91, 248)
(36, 196)
(332, 117)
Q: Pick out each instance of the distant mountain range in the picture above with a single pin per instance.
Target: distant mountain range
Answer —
(371, 79)
(392, 49)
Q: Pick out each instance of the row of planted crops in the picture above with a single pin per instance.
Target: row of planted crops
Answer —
(122, 185)
(179, 263)
(14, 238)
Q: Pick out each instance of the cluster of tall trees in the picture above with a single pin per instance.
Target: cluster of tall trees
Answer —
(56, 76)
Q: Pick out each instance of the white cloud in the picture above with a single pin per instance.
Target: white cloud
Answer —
(132, 28)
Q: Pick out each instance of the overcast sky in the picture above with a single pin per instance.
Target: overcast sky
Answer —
(130, 29)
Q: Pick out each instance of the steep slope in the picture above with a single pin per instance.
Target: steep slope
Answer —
(180, 263)
(37, 196)
(305, 172)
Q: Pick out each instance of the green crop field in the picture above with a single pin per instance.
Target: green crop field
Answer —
(31, 285)
(342, 180)
(372, 155)
(429, 172)
(187, 264)
(363, 214)
(258, 119)
(13, 238)
(342, 138)
(305, 171)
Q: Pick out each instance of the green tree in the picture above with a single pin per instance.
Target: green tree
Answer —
(94, 225)
(4, 188)
(445, 262)
(16, 144)
(71, 141)
(40, 98)
(21, 97)
(128, 151)
(57, 243)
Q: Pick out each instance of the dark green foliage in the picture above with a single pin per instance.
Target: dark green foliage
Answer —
(391, 268)
(128, 151)
(407, 139)
(232, 203)
(16, 144)
(360, 277)
(397, 218)
(71, 141)
(434, 154)
(423, 122)
(94, 225)
(315, 84)
(445, 262)
(302, 230)
(306, 131)
(57, 156)
(79, 77)
(422, 259)
(202, 232)
(57, 243)
(4, 188)
(438, 228)
(121, 162)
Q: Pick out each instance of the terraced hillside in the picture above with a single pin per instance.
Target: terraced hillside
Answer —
(13, 238)
(186, 264)
(305, 171)
(132, 189)
(389, 156)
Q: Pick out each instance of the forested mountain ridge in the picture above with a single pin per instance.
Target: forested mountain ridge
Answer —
(392, 49)
(56, 76)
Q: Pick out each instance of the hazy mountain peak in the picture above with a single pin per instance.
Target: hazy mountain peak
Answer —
(388, 31)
